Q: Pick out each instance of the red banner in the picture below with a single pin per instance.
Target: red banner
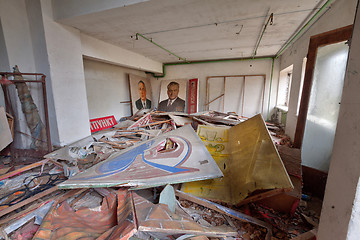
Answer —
(193, 96)
(98, 124)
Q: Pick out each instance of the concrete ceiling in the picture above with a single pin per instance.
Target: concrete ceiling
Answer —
(194, 29)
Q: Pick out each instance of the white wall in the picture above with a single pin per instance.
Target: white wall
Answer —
(339, 15)
(106, 86)
(17, 35)
(344, 172)
(203, 70)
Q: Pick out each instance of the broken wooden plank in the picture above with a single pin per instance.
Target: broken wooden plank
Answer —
(57, 198)
(125, 130)
(27, 201)
(202, 121)
(310, 235)
(126, 135)
(23, 169)
(127, 141)
(22, 213)
(264, 195)
(81, 195)
(115, 145)
(154, 123)
(5, 170)
(70, 194)
(56, 163)
(226, 211)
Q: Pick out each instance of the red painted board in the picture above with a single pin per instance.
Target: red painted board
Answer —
(193, 96)
(98, 124)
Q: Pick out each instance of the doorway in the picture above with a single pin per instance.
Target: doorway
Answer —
(324, 105)
(320, 102)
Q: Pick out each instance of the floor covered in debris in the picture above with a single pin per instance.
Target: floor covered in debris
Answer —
(208, 175)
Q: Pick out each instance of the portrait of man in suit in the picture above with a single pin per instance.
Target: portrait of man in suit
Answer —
(142, 102)
(174, 103)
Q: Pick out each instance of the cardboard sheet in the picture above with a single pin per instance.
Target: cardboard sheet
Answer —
(149, 164)
(248, 158)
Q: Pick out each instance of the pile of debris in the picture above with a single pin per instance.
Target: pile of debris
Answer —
(154, 177)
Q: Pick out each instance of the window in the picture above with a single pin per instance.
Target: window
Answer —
(284, 88)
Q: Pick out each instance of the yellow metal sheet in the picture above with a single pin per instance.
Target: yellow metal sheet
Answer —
(216, 140)
(248, 159)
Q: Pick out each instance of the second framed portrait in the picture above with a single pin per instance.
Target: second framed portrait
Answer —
(173, 95)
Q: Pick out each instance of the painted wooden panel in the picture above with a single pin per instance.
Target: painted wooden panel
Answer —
(152, 163)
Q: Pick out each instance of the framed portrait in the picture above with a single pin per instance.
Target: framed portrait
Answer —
(140, 93)
(173, 95)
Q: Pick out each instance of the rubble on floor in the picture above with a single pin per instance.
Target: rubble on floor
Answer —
(117, 178)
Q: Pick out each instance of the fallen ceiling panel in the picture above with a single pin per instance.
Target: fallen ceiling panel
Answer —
(174, 157)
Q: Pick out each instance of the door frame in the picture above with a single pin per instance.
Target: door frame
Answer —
(316, 41)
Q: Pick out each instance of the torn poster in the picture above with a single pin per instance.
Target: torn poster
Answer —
(248, 158)
(174, 157)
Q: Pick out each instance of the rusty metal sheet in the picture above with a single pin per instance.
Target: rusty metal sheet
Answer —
(248, 158)
(158, 218)
(174, 157)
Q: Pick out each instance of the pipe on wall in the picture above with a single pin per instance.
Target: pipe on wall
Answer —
(270, 20)
(158, 45)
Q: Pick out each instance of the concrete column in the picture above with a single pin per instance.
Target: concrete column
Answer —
(63, 45)
(336, 221)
